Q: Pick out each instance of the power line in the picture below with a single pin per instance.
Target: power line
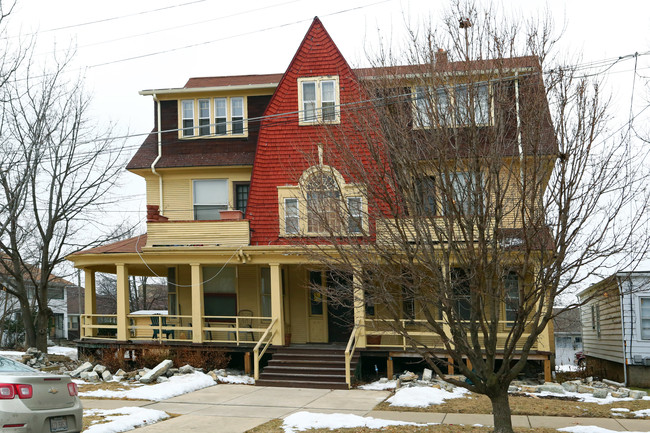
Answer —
(103, 20)
(179, 26)
(199, 44)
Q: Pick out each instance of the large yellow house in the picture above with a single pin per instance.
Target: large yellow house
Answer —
(224, 167)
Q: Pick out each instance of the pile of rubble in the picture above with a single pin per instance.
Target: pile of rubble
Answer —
(598, 389)
(44, 362)
(160, 373)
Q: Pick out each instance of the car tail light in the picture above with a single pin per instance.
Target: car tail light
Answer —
(7, 391)
(72, 389)
(24, 391)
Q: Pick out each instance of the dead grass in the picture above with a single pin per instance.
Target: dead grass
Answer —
(527, 405)
(275, 426)
(93, 420)
(107, 386)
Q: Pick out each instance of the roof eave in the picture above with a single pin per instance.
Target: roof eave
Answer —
(185, 90)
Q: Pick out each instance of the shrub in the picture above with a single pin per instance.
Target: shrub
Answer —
(212, 359)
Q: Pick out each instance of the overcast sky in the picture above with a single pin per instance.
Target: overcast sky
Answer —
(127, 46)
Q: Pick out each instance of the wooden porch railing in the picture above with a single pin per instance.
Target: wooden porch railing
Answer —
(349, 352)
(240, 329)
(104, 324)
(270, 333)
(160, 327)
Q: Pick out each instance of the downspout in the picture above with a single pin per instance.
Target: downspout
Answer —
(155, 161)
(622, 297)
(519, 145)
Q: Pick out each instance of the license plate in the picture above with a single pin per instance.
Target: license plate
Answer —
(58, 423)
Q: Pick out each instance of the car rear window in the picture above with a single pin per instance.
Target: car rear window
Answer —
(10, 366)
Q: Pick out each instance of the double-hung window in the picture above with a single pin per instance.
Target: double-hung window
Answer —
(319, 100)
(221, 116)
(291, 216)
(210, 198)
(237, 115)
(322, 204)
(355, 216)
(511, 289)
(463, 193)
(188, 118)
(204, 117)
(461, 291)
(461, 105)
(644, 316)
(426, 196)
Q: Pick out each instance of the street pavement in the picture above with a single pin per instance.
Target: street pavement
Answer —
(237, 408)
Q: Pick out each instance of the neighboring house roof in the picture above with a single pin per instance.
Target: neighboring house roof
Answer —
(131, 245)
(567, 321)
(233, 80)
(35, 272)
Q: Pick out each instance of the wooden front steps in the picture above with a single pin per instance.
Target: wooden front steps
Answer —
(307, 367)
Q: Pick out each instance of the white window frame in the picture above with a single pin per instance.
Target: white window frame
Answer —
(355, 215)
(212, 124)
(287, 225)
(320, 99)
(203, 120)
(448, 114)
(218, 206)
(641, 317)
(218, 116)
(187, 131)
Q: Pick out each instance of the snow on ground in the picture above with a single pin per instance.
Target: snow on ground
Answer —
(566, 368)
(587, 398)
(176, 385)
(123, 419)
(379, 385)
(301, 421)
(589, 429)
(641, 413)
(70, 352)
(245, 380)
(424, 396)
(620, 409)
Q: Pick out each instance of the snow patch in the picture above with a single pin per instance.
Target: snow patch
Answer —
(301, 421)
(176, 385)
(379, 385)
(246, 380)
(589, 429)
(424, 396)
(123, 419)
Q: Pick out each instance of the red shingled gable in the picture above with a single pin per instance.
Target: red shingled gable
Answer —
(284, 147)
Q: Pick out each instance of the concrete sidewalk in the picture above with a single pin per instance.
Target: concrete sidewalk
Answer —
(237, 408)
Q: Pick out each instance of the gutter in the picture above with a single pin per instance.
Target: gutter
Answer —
(153, 164)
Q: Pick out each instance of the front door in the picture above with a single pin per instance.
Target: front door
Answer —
(340, 308)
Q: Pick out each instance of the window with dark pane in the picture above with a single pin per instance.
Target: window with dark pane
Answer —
(315, 293)
(241, 196)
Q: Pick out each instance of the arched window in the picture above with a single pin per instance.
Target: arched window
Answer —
(323, 201)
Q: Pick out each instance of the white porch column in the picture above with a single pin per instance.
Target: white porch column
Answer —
(122, 302)
(359, 305)
(197, 303)
(276, 303)
(90, 304)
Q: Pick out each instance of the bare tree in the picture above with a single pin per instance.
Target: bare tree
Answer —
(480, 185)
(56, 166)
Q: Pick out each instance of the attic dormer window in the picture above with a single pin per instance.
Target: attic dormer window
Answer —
(318, 100)
(221, 116)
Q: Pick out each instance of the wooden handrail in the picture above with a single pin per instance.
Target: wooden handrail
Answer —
(349, 352)
(256, 350)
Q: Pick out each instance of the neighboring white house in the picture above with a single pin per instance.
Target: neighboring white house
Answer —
(567, 330)
(56, 300)
(616, 327)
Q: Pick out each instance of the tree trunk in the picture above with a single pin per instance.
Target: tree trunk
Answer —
(28, 324)
(501, 410)
(42, 327)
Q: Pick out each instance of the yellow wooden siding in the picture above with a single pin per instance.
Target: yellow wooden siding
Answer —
(248, 289)
(610, 343)
(298, 304)
(184, 290)
(198, 233)
(177, 187)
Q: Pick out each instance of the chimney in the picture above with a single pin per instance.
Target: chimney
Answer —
(441, 57)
